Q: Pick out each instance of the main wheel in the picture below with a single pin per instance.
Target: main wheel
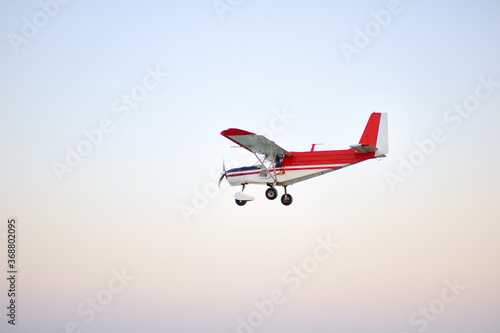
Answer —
(286, 199)
(240, 202)
(271, 193)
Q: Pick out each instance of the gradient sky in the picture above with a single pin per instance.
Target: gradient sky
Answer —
(144, 200)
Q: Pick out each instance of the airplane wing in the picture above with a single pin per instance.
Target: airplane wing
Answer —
(254, 143)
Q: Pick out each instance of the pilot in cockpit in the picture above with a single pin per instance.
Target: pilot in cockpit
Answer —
(278, 160)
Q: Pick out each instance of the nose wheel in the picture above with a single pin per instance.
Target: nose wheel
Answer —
(241, 198)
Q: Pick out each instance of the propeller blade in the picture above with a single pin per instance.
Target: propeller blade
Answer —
(222, 177)
(223, 174)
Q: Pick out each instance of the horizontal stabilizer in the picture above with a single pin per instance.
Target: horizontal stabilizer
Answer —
(363, 149)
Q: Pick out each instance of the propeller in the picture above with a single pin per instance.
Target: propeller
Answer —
(224, 173)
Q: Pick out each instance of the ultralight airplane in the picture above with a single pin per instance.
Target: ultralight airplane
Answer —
(279, 167)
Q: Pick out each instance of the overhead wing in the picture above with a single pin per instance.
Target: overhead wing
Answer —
(254, 143)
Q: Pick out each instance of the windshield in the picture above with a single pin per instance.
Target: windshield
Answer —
(268, 163)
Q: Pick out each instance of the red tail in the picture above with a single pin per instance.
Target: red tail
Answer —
(375, 133)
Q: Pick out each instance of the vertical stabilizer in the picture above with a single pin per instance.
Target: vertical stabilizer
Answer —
(376, 133)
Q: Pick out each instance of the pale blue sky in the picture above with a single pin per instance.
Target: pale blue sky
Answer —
(198, 261)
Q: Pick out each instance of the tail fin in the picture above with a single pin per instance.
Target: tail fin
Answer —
(375, 137)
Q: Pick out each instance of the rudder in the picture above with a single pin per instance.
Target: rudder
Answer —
(376, 133)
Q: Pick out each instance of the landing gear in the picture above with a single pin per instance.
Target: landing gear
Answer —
(286, 199)
(242, 198)
(271, 193)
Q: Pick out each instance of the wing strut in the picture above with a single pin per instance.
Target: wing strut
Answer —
(273, 175)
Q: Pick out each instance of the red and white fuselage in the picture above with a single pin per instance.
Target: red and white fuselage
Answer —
(299, 167)
(280, 167)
